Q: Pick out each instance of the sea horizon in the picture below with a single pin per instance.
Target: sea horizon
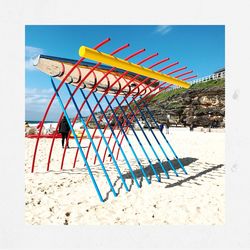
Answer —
(37, 121)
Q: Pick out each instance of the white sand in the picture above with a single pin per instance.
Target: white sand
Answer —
(69, 197)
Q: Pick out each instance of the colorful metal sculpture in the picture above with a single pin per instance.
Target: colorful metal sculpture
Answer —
(119, 78)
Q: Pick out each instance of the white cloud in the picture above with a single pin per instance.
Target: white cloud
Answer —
(30, 53)
(34, 91)
(37, 96)
(163, 29)
(37, 100)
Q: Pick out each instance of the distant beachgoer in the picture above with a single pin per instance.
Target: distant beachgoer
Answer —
(127, 126)
(64, 129)
(167, 125)
(27, 125)
(161, 127)
(191, 127)
(167, 128)
(50, 130)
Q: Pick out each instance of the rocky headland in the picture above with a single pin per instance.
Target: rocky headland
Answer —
(201, 105)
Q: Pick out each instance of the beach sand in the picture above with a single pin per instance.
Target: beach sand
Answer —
(68, 197)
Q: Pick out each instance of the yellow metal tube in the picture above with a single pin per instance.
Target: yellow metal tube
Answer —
(128, 66)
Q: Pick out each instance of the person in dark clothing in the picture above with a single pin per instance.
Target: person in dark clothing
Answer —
(64, 129)
(191, 127)
(161, 127)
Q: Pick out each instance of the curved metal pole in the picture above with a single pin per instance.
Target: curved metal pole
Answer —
(152, 132)
(89, 136)
(117, 94)
(130, 145)
(128, 94)
(123, 153)
(190, 77)
(137, 138)
(143, 116)
(152, 148)
(119, 91)
(125, 109)
(77, 142)
(176, 157)
(52, 99)
(134, 54)
(81, 107)
(67, 103)
(186, 73)
(140, 93)
(152, 117)
(131, 119)
(151, 97)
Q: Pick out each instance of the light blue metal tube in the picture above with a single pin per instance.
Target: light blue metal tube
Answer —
(157, 157)
(77, 142)
(143, 149)
(92, 142)
(151, 115)
(130, 145)
(104, 139)
(163, 151)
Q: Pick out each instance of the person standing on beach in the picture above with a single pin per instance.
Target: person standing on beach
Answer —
(167, 125)
(64, 129)
(161, 127)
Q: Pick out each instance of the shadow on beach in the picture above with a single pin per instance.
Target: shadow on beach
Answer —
(148, 170)
(194, 177)
(207, 171)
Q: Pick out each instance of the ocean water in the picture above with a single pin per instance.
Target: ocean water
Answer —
(46, 124)
(36, 122)
(53, 123)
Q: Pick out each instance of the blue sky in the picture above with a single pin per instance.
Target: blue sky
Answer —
(199, 47)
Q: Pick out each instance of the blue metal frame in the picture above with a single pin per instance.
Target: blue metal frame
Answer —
(92, 142)
(77, 142)
(152, 148)
(117, 141)
(152, 132)
(128, 141)
(151, 115)
(143, 149)
(102, 134)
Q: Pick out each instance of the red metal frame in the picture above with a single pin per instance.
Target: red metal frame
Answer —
(140, 93)
(91, 91)
(126, 96)
(190, 77)
(118, 92)
(69, 100)
(188, 72)
(177, 70)
(53, 98)
(106, 91)
(151, 97)
(132, 117)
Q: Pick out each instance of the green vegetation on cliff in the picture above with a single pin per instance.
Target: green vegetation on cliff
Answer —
(201, 85)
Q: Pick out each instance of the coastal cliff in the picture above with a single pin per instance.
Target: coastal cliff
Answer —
(203, 104)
